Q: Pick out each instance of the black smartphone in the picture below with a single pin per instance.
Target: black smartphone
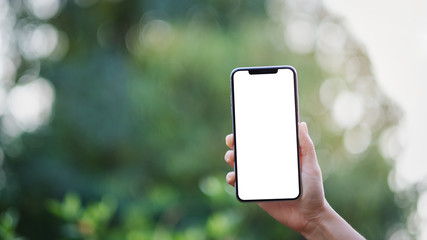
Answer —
(265, 125)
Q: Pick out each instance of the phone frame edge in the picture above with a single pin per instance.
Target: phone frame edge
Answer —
(296, 98)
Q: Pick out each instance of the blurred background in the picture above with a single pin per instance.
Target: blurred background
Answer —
(113, 115)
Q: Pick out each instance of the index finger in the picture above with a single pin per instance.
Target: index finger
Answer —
(229, 141)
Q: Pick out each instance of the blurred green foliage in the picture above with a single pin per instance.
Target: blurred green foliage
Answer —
(89, 222)
(8, 222)
(135, 145)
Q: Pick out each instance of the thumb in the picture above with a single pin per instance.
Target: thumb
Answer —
(307, 152)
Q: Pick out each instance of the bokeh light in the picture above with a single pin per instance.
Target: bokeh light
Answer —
(43, 9)
(300, 35)
(348, 109)
(358, 139)
(156, 34)
(38, 41)
(30, 104)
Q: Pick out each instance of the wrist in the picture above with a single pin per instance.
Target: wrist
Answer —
(329, 225)
(314, 224)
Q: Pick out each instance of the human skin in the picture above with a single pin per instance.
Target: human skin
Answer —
(310, 214)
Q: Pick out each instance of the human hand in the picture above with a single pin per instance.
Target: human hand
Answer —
(298, 213)
(310, 214)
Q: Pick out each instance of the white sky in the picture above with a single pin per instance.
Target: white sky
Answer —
(395, 36)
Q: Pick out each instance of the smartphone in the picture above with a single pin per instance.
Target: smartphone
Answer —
(265, 125)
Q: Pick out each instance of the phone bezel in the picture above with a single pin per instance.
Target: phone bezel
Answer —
(266, 70)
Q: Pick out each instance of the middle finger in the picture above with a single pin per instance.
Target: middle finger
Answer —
(229, 157)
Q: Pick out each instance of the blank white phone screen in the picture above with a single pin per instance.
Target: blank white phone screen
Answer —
(265, 130)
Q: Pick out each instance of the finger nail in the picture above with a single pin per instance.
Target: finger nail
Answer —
(228, 177)
(304, 124)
